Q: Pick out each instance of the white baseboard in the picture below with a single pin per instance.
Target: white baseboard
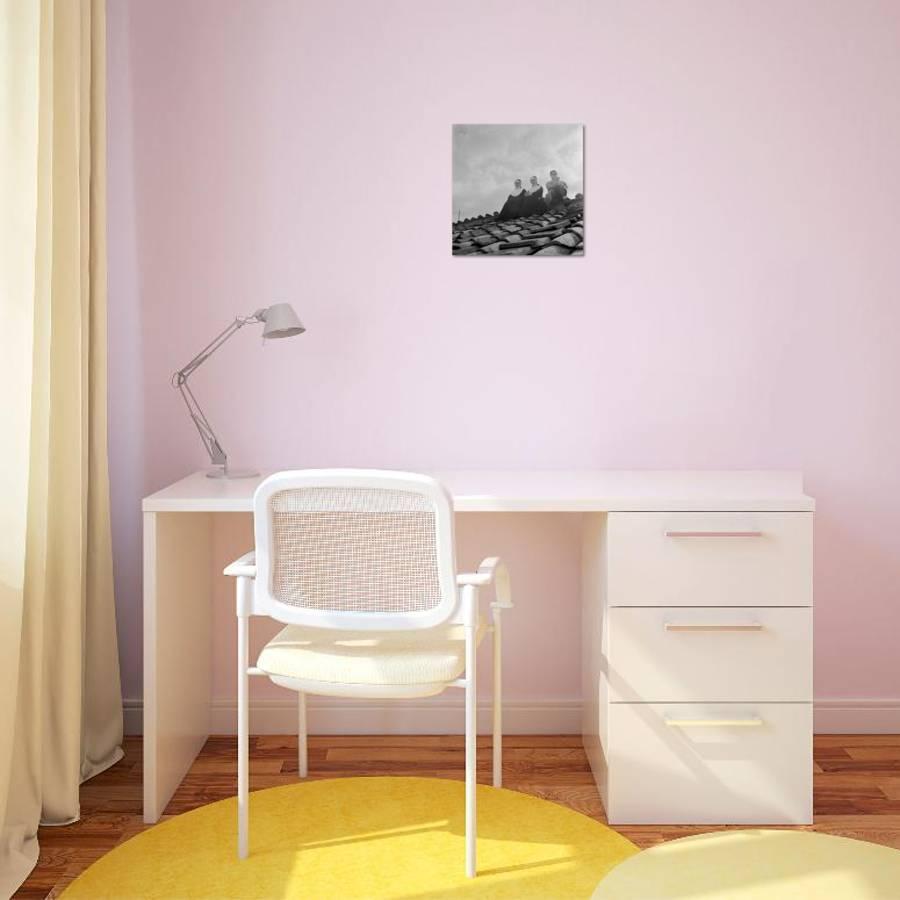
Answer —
(334, 716)
(857, 716)
(445, 716)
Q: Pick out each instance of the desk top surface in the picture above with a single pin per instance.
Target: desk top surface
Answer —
(545, 491)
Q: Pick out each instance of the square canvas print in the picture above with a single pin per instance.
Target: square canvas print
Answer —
(518, 190)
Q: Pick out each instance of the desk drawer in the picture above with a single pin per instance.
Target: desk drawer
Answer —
(709, 559)
(683, 654)
(723, 764)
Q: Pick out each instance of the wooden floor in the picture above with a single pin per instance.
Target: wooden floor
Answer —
(857, 787)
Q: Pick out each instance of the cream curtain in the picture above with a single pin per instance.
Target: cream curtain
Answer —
(60, 703)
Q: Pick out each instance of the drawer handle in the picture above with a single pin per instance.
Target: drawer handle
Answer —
(712, 534)
(751, 722)
(735, 626)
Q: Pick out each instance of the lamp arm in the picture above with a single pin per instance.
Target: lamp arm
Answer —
(211, 347)
(217, 455)
(180, 380)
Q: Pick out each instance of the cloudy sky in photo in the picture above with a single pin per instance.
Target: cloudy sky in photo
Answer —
(488, 158)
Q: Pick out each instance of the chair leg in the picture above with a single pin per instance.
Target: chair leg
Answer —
(497, 741)
(243, 738)
(302, 757)
(471, 737)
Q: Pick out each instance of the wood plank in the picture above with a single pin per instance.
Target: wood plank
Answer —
(880, 753)
(890, 787)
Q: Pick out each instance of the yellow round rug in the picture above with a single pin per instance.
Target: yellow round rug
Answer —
(757, 865)
(363, 837)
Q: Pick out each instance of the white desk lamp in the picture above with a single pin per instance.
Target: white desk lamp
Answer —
(279, 321)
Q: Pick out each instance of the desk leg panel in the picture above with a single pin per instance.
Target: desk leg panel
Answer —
(177, 643)
(595, 637)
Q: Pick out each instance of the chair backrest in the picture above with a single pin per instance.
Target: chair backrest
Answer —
(354, 549)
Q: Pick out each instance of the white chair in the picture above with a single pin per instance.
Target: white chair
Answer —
(360, 565)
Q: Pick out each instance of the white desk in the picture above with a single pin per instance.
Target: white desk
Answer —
(178, 578)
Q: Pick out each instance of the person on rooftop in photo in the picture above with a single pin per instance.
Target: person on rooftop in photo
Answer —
(534, 198)
(515, 202)
(556, 191)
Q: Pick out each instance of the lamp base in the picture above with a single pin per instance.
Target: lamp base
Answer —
(228, 473)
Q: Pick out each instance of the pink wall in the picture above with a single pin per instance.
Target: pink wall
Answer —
(738, 306)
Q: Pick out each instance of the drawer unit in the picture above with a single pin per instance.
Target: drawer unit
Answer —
(697, 665)
(709, 559)
(709, 763)
(725, 654)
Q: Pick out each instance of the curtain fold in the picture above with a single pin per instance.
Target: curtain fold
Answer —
(60, 700)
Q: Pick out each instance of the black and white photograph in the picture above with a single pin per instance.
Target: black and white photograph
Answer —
(518, 190)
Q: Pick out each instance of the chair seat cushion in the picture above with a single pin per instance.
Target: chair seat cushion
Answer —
(335, 656)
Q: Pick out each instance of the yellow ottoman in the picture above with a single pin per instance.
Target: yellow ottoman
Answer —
(757, 865)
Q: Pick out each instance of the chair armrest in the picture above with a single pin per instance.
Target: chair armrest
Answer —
(491, 571)
(245, 566)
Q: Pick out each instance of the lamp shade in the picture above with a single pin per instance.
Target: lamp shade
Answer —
(281, 321)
